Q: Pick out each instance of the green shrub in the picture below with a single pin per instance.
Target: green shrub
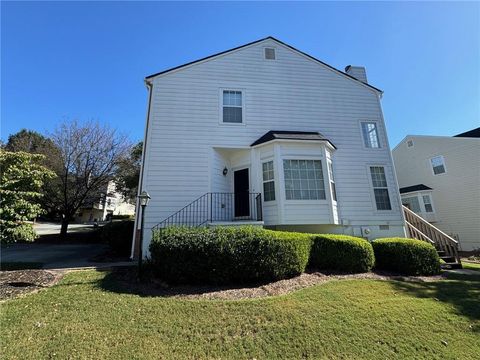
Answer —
(341, 252)
(19, 232)
(118, 234)
(227, 254)
(406, 256)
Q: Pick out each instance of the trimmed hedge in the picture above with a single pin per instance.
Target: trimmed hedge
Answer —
(406, 256)
(227, 254)
(118, 234)
(342, 253)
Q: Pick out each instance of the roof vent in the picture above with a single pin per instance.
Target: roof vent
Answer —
(410, 143)
(358, 72)
(269, 53)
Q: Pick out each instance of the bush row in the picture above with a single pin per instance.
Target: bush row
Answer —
(247, 254)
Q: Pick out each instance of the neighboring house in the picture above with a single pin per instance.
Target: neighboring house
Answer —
(103, 205)
(439, 179)
(265, 134)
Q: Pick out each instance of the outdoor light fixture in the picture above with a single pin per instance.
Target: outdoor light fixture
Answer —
(225, 171)
(144, 198)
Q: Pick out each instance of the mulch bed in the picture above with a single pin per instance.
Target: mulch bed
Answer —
(126, 280)
(19, 282)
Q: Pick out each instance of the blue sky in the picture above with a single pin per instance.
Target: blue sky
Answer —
(87, 60)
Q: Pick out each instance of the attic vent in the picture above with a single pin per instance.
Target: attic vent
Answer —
(410, 143)
(269, 53)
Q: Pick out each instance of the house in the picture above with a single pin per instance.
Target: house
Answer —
(102, 205)
(439, 179)
(265, 134)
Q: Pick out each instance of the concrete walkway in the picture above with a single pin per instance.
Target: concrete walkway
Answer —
(55, 256)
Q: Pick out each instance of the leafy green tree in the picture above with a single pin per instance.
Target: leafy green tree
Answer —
(22, 177)
(29, 141)
(128, 172)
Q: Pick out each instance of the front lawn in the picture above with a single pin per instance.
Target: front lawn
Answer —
(367, 319)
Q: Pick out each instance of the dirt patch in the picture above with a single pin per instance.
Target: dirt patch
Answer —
(19, 282)
(125, 280)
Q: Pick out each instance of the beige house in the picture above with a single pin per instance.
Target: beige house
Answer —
(104, 204)
(439, 179)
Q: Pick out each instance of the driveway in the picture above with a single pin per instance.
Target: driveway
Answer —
(47, 228)
(54, 256)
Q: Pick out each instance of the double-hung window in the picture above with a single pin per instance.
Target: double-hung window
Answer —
(268, 181)
(380, 188)
(438, 165)
(370, 135)
(412, 203)
(427, 202)
(332, 180)
(232, 106)
(303, 180)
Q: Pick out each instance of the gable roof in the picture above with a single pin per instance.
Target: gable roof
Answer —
(413, 188)
(475, 133)
(291, 135)
(256, 42)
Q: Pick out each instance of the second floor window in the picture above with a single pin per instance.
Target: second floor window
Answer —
(370, 135)
(232, 106)
(438, 165)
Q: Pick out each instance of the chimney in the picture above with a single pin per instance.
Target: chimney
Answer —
(358, 72)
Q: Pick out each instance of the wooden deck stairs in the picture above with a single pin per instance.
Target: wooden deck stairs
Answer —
(447, 247)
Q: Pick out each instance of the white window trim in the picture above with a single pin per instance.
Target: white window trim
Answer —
(331, 179)
(431, 165)
(220, 107)
(386, 169)
(305, 201)
(421, 195)
(272, 180)
(380, 143)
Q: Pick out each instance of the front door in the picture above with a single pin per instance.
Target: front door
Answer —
(241, 190)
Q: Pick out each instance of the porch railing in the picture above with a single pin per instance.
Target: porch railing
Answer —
(216, 207)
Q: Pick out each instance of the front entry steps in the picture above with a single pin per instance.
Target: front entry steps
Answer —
(448, 262)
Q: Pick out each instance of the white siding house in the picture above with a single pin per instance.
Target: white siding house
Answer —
(307, 141)
(439, 179)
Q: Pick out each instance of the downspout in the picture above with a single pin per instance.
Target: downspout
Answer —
(140, 180)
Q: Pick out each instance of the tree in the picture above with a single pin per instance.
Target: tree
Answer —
(29, 141)
(89, 155)
(22, 177)
(128, 172)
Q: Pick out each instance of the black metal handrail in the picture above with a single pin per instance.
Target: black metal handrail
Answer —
(216, 207)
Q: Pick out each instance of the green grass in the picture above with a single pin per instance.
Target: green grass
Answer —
(348, 319)
(471, 266)
(17, 265)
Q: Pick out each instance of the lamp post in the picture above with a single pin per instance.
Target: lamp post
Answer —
(144, 198)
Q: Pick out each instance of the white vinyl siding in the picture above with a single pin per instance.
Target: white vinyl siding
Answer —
(268, 181)
(291, 93)
(380, 188)
(232, 106)
(370, 135)
(303, 180)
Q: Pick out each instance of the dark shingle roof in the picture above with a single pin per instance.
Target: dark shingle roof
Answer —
(475, 133)
(255, 42)
(412, 188)
(291, 135)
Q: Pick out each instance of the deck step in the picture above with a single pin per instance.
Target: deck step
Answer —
(451, 265)
(448, 259)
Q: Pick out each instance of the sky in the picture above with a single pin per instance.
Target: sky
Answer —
(87, 60)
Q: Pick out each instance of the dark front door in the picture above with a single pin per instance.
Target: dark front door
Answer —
(241, 190)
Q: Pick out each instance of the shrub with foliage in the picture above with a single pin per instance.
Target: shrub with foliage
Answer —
(406, 256)
(227, 254)
(342, 253)
(21, 179)
(118, 234)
